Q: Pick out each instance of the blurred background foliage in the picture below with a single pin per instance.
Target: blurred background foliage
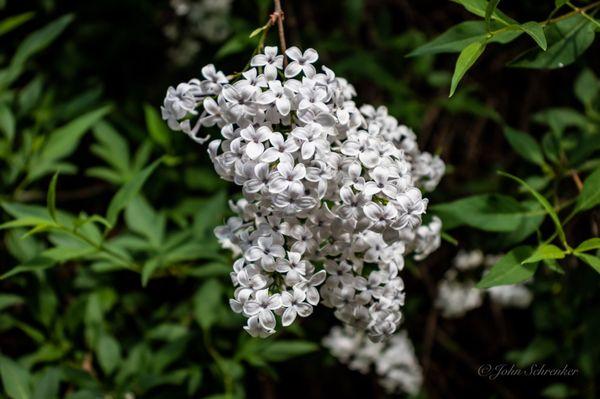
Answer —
(112, 282)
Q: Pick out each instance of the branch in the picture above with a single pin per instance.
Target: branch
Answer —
(278, 16)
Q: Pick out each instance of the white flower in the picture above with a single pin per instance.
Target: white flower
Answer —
(264, 251)
(295, 305)
(270, 61)
(380, 183)
(288, 178)
(255, 139)
(263, 306)
(308, 285)
(301, 62)
(281, 150)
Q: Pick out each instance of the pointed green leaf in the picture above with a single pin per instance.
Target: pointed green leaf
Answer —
(589, 196)
(466, 59)
(545, 251)
(587, 87)
(129, 191)
(536, 32)
(40, 39)
(479, 7)
(156, 127)
(591, 260)
(51, 197)
(567, 40)
(36, 264)
(281, 350)
(149, 268)
(459, 36)
(206, 302)
(509, 269)
(489, 10)
(489, 212)
(7, 122)
(108, 351)
(15, 379)
(525, 145)
(588, 245)
(10, 23)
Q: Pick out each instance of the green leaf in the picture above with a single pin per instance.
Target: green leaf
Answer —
(47, 385)
(236, 44)
(129, 191)
(156, 127)
(113, 149)
(536, 32)
(509, 269)
(466, 59)
(459, 36)
(7, 122)
(544, 202)
(51, 197)
(489, 10)
(556, 391)
(40, 39)
(210, 214)
(281, 350)
(144, 220)
(488, 212)
(539, 349)
(545, 251)
(559, 119)
(259, 30)
(591, 260)
(63, 142)
(568, 39)
(149, 268)
(108, 351)
(10, 23)
(589, 196)
(587, 87)
(588, 245)
(479, 7)
(15, 379)
(8, 300)
(35, 264)
(206, 302)
(524, 145)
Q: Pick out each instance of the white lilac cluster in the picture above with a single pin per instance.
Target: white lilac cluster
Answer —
(331, 203)
(457, 293)
(394, 360)
(197, 21)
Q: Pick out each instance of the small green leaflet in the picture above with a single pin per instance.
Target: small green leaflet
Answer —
(588, 245)
(466, 59)
(544, 251)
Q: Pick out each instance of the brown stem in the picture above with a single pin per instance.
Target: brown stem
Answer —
(577, 180)
(279, 15)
